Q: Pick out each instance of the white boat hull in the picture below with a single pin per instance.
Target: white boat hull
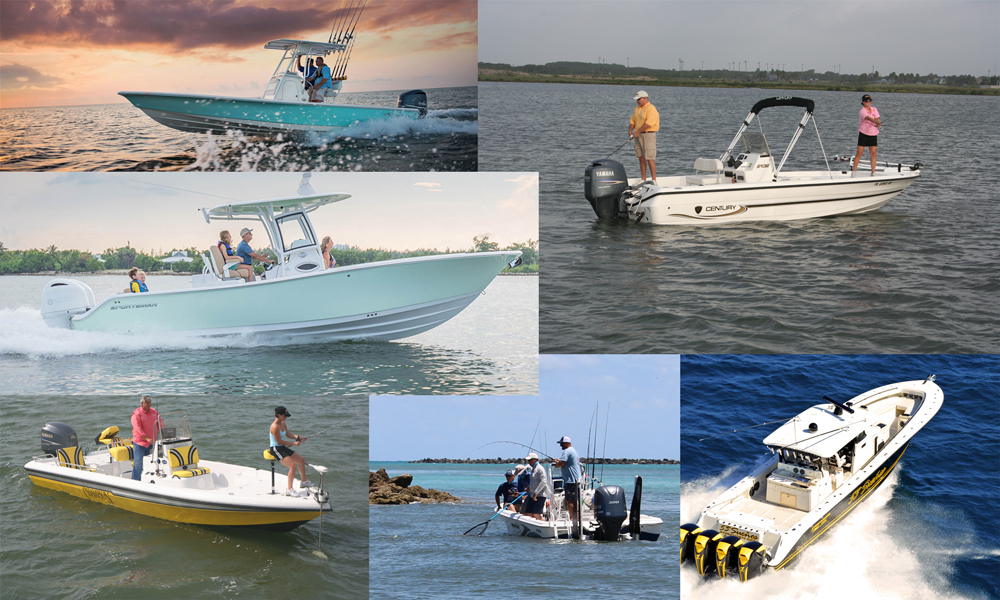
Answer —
(517, 524)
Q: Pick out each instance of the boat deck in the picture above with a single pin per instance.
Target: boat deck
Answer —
(763, 513)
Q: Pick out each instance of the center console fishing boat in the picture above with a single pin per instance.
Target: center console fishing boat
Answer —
(601, 514)
(297, 297)
(745, 184)
(824, 463)
(176, 484)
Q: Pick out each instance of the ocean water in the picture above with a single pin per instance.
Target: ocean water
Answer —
(917, 276)
(57, 546)
(120, 137)
(929, 532)
(423, 546)
(489, 348)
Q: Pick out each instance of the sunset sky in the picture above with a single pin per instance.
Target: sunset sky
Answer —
(58, 52)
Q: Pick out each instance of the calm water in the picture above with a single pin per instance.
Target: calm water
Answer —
(929, 532)
(423, 546)
(120, 137)
(918, 276)
(489, 348)
(61, 547)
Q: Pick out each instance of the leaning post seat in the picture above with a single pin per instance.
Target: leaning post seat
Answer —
(268, 455)
(72, 457)
(184, 462)
(122, 453)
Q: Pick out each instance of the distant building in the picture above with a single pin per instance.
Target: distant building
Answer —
(177, 256)
(98, 257)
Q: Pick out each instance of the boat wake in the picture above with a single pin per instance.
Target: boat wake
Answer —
(883, 551)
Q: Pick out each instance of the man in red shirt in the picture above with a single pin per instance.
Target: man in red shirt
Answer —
(145, 422)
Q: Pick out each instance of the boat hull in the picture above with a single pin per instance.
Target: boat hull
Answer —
(517, 524)
(200, 114)
(797, 196)
(381, 301)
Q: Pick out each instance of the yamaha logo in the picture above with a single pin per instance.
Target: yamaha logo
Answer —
(605, 173)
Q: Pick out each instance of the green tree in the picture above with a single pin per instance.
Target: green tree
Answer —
(482, 243)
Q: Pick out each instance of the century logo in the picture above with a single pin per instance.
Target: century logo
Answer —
(720, 208)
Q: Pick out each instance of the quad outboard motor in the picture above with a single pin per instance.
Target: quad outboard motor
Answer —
(603, 182)
(413, 99)
(63, 298)
(609, 510)
(56, 436)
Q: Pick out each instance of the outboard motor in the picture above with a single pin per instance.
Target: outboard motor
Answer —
(609, 510)
(56, 436)
(603, 182)
(413, 99)
(63, 298)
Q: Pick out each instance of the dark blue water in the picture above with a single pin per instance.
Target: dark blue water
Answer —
(120, 137)
(418, 550)
(931, 531)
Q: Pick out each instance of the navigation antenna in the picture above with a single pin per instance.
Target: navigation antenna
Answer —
(343, 33)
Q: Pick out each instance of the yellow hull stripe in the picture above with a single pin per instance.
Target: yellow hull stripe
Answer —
(195, 516)
(849, 508)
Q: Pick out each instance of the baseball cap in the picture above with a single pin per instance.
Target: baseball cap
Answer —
(531, 456)
(641, 94)
(564, 439)
(281, 410)
(509, 473)
(245, 231)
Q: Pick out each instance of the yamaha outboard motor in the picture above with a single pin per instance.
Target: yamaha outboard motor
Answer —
(609, 510)
(56, 436)
(413, 99)
(603, 182)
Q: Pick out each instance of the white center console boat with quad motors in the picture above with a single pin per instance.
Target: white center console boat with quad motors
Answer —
(297, 297)
(824, 463)
(601, 515)
(176, 484)
(744, 184)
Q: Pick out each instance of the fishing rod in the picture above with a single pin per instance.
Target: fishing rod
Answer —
(604, 453)
(744, 429)
(630, 138)
(332, 426)
(519, 444)
(487, 522)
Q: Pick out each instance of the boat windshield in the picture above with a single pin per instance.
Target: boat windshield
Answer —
(755, 143)
(295, 232)
(175, 427)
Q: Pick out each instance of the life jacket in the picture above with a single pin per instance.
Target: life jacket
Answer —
(227, 251)
(137, 286)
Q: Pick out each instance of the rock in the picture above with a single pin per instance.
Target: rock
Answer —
(398, 490)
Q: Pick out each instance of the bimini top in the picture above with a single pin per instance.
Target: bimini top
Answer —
(805, 103)
(270, 207)
(304, 47)
(832, 431)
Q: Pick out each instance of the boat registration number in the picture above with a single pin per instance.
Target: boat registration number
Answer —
(748, 536)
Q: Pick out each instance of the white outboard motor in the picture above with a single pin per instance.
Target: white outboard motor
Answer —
(413, 99)
(63, 298)
(609, 510)
(56, 436)
(604, 181)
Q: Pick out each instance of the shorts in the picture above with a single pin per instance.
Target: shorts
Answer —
(645, 145)
(533, 507)
(323, 92)
(865, 140)
(281, 452)
(570, 491)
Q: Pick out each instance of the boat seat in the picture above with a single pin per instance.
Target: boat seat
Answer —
(72, 457)
(268, 455)
(703, 179)
(220, 264)
(122, 453)
(712, 165)
(184, 462)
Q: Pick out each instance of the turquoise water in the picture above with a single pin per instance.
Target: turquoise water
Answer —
(440, 562)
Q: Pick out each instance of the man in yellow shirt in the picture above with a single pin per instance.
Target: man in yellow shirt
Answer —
(643, 125)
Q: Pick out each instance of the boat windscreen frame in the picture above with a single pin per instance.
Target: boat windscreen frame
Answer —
(805, 103)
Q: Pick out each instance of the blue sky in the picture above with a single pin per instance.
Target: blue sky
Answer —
(642, 391)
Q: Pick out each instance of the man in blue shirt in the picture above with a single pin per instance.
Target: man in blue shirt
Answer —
(322, 82)
(246, 253)
(569, 462)
(507, 491)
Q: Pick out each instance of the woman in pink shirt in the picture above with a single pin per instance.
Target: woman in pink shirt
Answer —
(867, 132)
(145, 421)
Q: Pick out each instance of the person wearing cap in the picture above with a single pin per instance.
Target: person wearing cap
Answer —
(867, 132)
(224, 245)
(534, 506)
(245, 252)
(522, 475)
(507, 491)
(643, 125)
(280, 448)
(145, 422)
(569, 462)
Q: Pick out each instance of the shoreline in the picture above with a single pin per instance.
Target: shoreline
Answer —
(515, 461)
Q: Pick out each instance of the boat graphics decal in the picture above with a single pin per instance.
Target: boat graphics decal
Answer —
(717, 211)
(844, 507)
(746, 535)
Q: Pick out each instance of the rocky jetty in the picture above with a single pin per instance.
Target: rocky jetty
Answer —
(514, 461)
(383, 489)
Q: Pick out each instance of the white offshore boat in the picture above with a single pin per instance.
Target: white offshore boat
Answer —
(176, 485)
(284, 106)
(744, 184)
(826, 461)
(601, 516)
(297, 297)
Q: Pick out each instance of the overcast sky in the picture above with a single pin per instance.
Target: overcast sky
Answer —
(399, 211)
(643, 392)
(55, 53)
(944, 37)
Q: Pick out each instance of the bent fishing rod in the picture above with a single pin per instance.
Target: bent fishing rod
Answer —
(519, 444)
(336, 425)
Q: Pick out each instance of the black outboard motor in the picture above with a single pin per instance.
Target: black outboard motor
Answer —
(56, 436)
(609, 510)
(603, 181)
(413, 99)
